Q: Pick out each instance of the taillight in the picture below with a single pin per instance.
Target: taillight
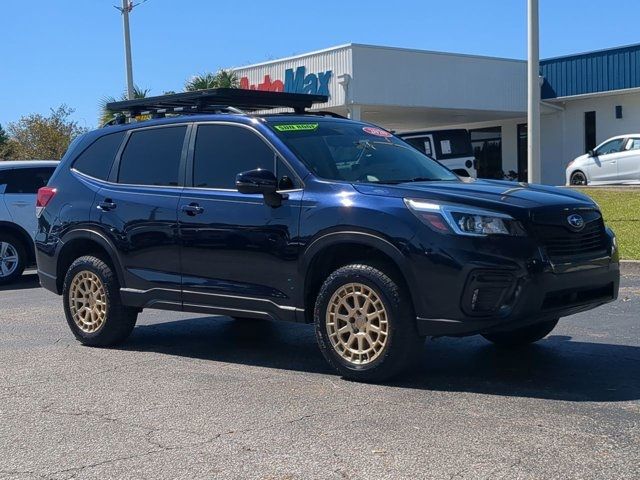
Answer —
(45, 195)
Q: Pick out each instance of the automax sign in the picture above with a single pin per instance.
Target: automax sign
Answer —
(295, 81)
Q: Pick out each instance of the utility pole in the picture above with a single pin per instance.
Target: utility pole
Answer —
(126, 8)
(533, 100)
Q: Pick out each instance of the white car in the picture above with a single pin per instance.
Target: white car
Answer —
(19, 184)
(616, 160)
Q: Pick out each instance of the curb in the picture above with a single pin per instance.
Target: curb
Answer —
(630, 267)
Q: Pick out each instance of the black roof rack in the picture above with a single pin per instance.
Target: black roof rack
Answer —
(215, 100)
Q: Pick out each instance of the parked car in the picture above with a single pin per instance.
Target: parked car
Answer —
(451, 147)
(614, 161)
(19, 183)
(314, 219)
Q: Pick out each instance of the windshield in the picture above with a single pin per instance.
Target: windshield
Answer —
(355, 152)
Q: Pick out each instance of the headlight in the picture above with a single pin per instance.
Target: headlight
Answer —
(463, 220)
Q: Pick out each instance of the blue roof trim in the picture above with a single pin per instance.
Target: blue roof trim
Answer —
(601, 71)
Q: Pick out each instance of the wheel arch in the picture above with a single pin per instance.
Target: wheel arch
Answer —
(78, 243)
(581, 170)
(333, 250)
(23, 235)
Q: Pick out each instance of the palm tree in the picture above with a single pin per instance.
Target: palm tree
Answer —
(106, 114)
(221, 79)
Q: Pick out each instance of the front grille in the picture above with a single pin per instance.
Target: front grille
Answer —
(578, 296)
(561, 241)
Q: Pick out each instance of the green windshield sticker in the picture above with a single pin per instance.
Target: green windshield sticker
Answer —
(296, 127)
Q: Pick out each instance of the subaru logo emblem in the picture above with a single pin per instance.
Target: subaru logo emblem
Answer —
(576, 221)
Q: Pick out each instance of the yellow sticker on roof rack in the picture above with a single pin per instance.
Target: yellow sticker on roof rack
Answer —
(296, 127)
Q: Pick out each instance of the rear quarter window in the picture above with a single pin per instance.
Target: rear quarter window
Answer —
(97, 159)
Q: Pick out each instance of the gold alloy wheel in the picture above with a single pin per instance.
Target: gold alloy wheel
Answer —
(88, 301)
(357, 323)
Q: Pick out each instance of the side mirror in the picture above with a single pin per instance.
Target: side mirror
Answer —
(591, 153)
(260, 181)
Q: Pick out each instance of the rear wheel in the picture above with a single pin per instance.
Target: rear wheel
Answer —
(13, 258)
(364, 324)
(578, 178)
(92, 304)
(522, 336)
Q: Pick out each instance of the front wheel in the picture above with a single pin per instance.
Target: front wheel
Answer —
(92, 305)
(364, 324)
(522, 336)
(578, 178)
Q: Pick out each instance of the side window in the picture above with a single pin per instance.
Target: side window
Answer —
(427, 146)
(613, 146)
(27, 180)
(152, 157)
(416, 143)
(223, 151)
(633, 144)
(421, 143)
(96, 160)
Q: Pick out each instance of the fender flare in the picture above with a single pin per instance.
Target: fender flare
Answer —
(364, 238)
(91, 234)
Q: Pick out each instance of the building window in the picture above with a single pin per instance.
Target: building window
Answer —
(487, 148)
(589, 131)
(523, 155)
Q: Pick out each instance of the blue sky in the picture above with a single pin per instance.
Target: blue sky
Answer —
(70, 51)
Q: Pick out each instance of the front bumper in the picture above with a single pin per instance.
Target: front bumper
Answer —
(539, 297)
(485, 288)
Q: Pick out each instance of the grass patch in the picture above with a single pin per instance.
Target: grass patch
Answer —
(621, 211)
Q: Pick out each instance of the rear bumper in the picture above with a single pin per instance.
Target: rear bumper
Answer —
(536, 297)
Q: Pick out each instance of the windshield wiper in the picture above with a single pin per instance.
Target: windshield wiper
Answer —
(414, 179)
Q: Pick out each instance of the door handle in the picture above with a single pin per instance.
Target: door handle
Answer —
(21, 204)
(192, 209)
(106, 205)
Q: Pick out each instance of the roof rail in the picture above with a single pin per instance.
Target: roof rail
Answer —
(215, 100)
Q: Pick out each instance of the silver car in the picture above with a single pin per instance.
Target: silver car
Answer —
(616, 160)
(19, 184)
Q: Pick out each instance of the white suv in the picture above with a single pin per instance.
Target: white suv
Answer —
(19, 184)
(616, 160)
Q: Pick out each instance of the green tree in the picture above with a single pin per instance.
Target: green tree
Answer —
(106, 114)
(4, 138)
(38, 137)
(221, 79)
(5, 151)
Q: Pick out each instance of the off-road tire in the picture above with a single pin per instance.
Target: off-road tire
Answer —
(403, 342)
(119, 320)
(522, 336)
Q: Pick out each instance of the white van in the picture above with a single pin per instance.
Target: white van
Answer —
(452, 148)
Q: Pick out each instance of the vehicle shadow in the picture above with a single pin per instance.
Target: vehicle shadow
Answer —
(555, 368)
(26, 281)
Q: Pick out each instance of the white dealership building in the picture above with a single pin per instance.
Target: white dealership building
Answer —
(587, 97)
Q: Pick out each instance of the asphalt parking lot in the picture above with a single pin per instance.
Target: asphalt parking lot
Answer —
(208, 397)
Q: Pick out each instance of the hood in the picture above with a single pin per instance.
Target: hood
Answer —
(497, 195)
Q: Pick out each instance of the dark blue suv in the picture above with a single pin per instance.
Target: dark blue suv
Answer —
(314, 219)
